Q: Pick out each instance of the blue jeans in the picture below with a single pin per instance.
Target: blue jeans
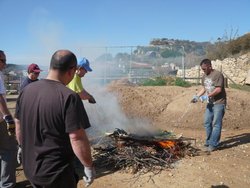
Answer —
(8, 168)
(213, 123)
(8, 156)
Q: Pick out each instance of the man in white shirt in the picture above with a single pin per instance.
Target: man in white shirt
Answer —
(8, 144)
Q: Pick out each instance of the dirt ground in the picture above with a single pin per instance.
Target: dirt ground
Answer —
(169, 108)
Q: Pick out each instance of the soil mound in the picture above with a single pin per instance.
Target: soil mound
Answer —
(169, 106)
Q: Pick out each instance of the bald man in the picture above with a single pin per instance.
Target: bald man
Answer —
(50, 122)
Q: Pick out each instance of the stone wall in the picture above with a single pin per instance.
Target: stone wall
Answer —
(235, 69)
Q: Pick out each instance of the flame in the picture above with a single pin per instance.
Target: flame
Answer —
(167, 144)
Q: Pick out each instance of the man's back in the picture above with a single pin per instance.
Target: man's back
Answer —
(48, 112)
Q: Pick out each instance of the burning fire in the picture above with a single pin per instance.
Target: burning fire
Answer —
(167, 144)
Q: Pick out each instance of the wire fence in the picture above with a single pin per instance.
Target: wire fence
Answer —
(134, 63)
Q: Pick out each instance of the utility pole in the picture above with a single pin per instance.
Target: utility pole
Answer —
(183, 63)
(130, 64)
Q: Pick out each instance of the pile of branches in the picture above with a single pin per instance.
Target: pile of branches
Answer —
(140, 154)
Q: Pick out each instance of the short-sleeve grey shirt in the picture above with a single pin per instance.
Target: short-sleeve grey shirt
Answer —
(210, 82)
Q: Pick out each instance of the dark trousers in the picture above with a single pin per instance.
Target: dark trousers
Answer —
(67, 179)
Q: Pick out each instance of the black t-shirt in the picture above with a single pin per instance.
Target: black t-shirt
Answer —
(26, 82)
(48, 111)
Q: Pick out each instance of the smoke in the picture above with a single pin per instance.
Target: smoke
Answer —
(107, 115)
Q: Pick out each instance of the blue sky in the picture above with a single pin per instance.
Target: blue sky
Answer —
(32, 30)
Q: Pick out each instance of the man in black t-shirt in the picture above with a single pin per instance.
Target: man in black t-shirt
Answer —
(50, 127)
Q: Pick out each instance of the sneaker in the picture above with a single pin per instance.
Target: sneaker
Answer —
(211, 148)
(206, 145)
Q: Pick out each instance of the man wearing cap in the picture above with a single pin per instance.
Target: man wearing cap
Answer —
(33, 73)
(76, 84)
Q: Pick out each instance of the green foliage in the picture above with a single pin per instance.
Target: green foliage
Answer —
(170, 81)
(160, 42)
(158, 81)
(197, 48)
(182, 83)
(170, 53)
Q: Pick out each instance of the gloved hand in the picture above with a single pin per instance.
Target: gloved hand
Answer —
(195, 99)
(10, 125)
(19, 155)
(92, 100)
(89, 175)
(204, 98)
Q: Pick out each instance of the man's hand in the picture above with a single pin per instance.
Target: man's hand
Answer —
(10, 124)
(19, 155)
(195, 99)
(89, 175)
(204, 98)
(92, 100)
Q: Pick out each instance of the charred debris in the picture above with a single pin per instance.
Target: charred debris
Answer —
(132, 153)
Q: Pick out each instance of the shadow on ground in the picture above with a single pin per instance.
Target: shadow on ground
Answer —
(219, 186)
(234, 141)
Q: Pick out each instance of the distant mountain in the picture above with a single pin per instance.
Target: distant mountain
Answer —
(21, 70)
(14, 67)
(175, 45)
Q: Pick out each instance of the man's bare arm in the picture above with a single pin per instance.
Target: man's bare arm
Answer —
(84, 95)
(80, 145)
(18, 131)
(201, 92)
(3, 106)
(215, 92)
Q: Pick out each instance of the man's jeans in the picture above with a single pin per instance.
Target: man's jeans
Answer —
(213, 123)
(8, 169)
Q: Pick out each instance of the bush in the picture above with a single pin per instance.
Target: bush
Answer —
(170, 81)
(182, 83)
(158, 81)
(227, 47)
